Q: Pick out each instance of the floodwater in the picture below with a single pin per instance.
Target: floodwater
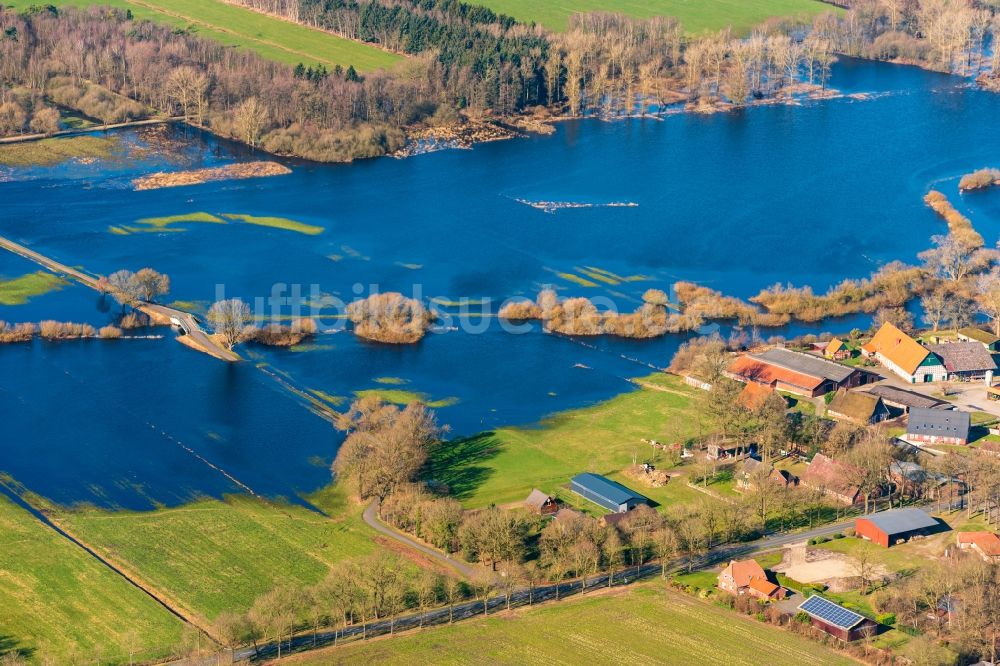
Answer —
(808, 194)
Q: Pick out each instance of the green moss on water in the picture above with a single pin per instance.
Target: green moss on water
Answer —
(48, 152)
(401, 397)
(276, 223)
(20, 290)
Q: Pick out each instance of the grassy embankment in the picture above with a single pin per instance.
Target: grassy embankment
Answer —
(53, 151)
(503, 466)
(20, 290)
(272, 38)
(696, 16)
(59, 603)
(645, 624)
(212, 556)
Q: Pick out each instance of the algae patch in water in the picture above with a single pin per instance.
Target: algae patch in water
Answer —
(20, 290)
(48, 152)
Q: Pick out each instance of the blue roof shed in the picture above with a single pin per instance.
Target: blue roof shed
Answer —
(604, 492)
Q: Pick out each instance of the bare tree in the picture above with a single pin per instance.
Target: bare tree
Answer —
(230, 318)
(250, 118)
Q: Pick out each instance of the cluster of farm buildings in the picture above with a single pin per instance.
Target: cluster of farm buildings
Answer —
(859, 396)
(887, 528)
(748, 578)
(864, 397)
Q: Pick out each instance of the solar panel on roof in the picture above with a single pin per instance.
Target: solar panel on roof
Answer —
(830, 612)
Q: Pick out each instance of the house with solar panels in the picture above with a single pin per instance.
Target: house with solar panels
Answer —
(836, 620)
(606, 493)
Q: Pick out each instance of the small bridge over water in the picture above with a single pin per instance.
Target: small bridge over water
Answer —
(194, 335)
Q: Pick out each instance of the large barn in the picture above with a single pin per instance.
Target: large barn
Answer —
(795, 372)
(604, 492)
(887, 528)
(905, 356)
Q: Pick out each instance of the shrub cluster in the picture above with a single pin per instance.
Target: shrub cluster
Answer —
(58, 330)
(390, 317)
(959, 226)
(980, 179)
(16, 332)
(109, 332)
(277, 335)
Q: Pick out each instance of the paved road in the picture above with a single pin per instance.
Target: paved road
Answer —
(371, 517)
(518, 598)
(197, 337)
(87, 130)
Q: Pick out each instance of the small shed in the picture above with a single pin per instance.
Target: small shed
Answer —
(837, 350)
(887, 528)
(541, 503)
(836, 620)
(938, 426)
(730, 450)
(604, 492)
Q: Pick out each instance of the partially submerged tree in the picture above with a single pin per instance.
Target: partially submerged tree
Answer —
(229, 318)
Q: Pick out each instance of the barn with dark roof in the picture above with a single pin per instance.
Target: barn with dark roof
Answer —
(887, 528)
(604, 492)
(938, 426)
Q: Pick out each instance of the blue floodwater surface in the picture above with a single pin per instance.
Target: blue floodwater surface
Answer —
(809, 194)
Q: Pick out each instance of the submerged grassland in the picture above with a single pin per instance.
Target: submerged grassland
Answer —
(59, 602)
(644, 624)
(171, 223)
(48, 152)
(20, 290)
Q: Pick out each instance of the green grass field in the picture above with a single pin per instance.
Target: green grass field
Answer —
(47, 152)
(695, 15)
(59, 603)
(234, 26)
(644, 625)
(212, 556)
(504, 466)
